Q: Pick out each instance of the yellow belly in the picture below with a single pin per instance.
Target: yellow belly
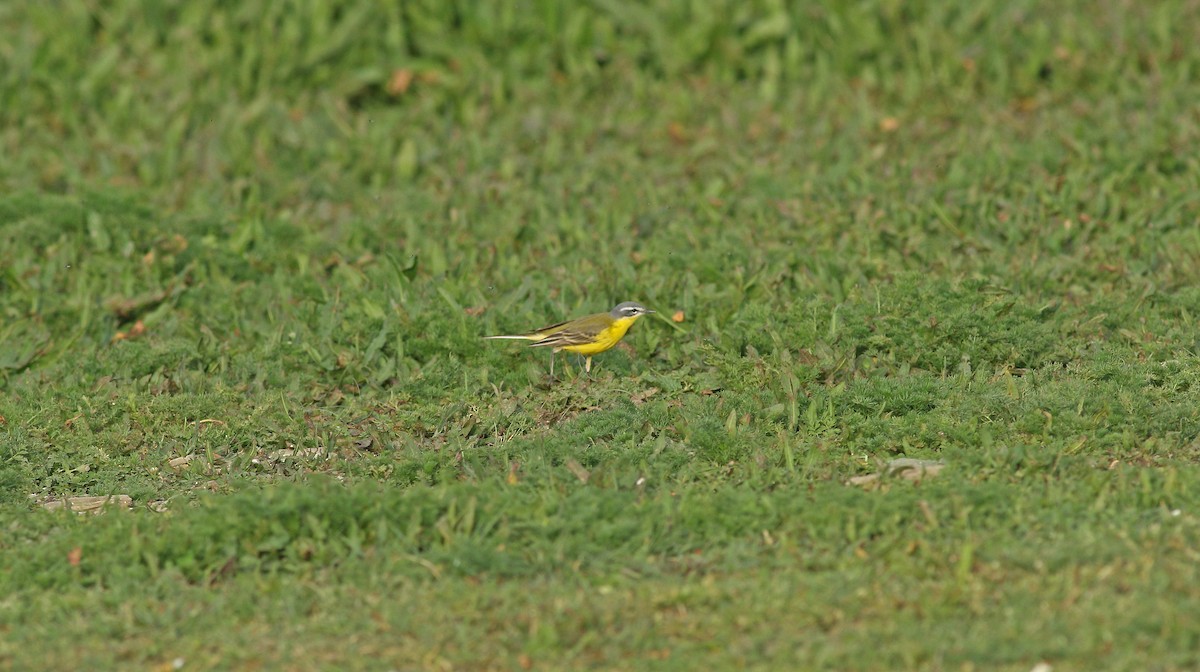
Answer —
(604, 340)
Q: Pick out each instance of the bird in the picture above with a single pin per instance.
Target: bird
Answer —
(585, 336)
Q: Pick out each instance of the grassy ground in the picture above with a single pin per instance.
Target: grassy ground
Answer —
(247, 254)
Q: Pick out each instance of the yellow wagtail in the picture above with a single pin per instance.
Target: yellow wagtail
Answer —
(586, 336)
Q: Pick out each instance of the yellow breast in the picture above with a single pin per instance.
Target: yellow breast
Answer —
(607, 338)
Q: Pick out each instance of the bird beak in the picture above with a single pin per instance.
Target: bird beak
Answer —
(648, 311)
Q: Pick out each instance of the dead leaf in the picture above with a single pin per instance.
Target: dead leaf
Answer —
(678, 316)
(400, 81)
(202, 424)
(173, 245)
(677, 132)
(640, 398)
(138, 329)
(127, 308)
(1026, 104)
(88, 504)
(512, 473)
(226, 570)
(288, 453)
(170, 665)
(889, 124)
(74, 556)
(906, 468)
(475, 311)
(576, 468)
(927, 511)
(179, 463)
(914, 469)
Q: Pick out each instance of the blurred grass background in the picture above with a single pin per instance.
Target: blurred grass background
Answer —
(247, 251)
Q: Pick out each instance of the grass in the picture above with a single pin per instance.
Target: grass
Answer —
(247, 253)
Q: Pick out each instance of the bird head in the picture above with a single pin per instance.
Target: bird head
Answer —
(629, 309)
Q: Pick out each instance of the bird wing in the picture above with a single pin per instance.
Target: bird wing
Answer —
(548, 329)
(575, 332)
